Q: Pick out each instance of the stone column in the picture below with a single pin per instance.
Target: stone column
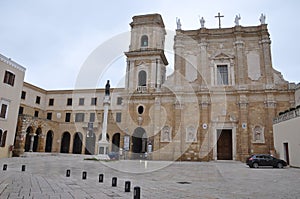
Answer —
(243, 134)
(267, 61)
(103, 147)
(203, 70)
(31, 142)
(205, 141)
(270, 114)
(239, 46)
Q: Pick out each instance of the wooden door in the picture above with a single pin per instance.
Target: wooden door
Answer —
(224, 144)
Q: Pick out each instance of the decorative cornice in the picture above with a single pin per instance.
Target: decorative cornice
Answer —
(12, 63)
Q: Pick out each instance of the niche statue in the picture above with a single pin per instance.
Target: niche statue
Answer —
(107, 87)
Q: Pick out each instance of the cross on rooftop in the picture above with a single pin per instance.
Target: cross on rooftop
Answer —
(219, 16)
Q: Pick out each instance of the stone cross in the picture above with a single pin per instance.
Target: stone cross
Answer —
(219, 16)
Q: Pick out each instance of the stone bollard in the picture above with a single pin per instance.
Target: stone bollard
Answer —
(4, 167)
(101, 177)
(114, 182)
(127, 186)
(84, 175)
(68, 173)
(23, 167)
(137, 193)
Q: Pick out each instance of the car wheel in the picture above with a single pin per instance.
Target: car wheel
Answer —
(255, 165)
(279, 165)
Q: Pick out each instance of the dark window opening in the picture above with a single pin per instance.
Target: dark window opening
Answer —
(49, 116)
(51, 102)
(23, 95)
(38, 100)
(68, 117)
(9, 78)
(140, 109)
(69, 102)
(81, 101)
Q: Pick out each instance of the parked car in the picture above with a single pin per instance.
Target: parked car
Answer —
(257, 160)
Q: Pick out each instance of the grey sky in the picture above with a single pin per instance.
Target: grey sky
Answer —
(54, 38)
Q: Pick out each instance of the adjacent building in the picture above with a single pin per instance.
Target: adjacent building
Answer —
(286, 135)
(218, 104)
(11, 83)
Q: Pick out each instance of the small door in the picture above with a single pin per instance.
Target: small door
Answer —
(286, 152)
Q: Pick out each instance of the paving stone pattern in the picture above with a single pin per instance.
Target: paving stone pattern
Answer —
(45, 177)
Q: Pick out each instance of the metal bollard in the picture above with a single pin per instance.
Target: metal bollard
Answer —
(137, 193)
(68, 173)
(127, 186)
(84, 175)
(114, 182)
(23, 167)
(101, 177)
(4, 167)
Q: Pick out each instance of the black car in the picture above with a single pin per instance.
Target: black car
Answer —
(257, 160)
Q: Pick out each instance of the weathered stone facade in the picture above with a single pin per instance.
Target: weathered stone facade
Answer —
(218, 104)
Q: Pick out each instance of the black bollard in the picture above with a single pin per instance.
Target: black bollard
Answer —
(127, 186)
(137, 193)
(114, 182)
(4, 167)
(23, 167)
(84, 175)
(68, 173)
(100, 177)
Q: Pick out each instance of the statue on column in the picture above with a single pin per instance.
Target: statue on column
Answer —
(202, 21)
(178, 24)
(237, 20)
(107, 88)
(262, 19)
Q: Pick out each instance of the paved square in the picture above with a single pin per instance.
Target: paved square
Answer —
(45, 177)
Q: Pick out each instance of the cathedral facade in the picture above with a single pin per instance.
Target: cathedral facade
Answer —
(218, 104)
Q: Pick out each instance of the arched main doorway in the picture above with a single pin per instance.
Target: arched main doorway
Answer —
(90, 143)
(29, 132)
(139, 143)
(49, 140)
(115, 142)
(38, 132)
(77, 143)
(65, 142)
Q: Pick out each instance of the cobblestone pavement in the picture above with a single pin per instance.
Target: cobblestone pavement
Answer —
(45, 177)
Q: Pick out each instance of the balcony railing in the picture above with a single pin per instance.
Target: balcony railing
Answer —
(142, 89)
(287, 116)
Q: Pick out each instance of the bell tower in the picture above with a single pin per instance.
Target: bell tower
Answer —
(146, 60)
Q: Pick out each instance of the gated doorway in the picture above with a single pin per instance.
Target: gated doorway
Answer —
(77, 143)
(224, 144)
(139, 143)
(65, 142)
(49, 140)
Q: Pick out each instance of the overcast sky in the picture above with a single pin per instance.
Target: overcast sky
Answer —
(54, 39)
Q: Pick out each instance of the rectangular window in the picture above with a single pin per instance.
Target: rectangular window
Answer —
(38, 100)
(51, 102)
(222, 75)
(9, 78)
(94, 101)
(49, 116)
(36, 113)
(81, 101)
(118, 117)
(119, 100)
(68, 117)
(79, 117)
(3, 113)
(69, 102)
(92, 117)
(21, 110)
(23, 95)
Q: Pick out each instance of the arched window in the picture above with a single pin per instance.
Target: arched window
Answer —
(142, 78)
(3, 140)
(144, 41)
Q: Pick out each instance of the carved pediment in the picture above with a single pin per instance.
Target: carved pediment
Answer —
(222, 56)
